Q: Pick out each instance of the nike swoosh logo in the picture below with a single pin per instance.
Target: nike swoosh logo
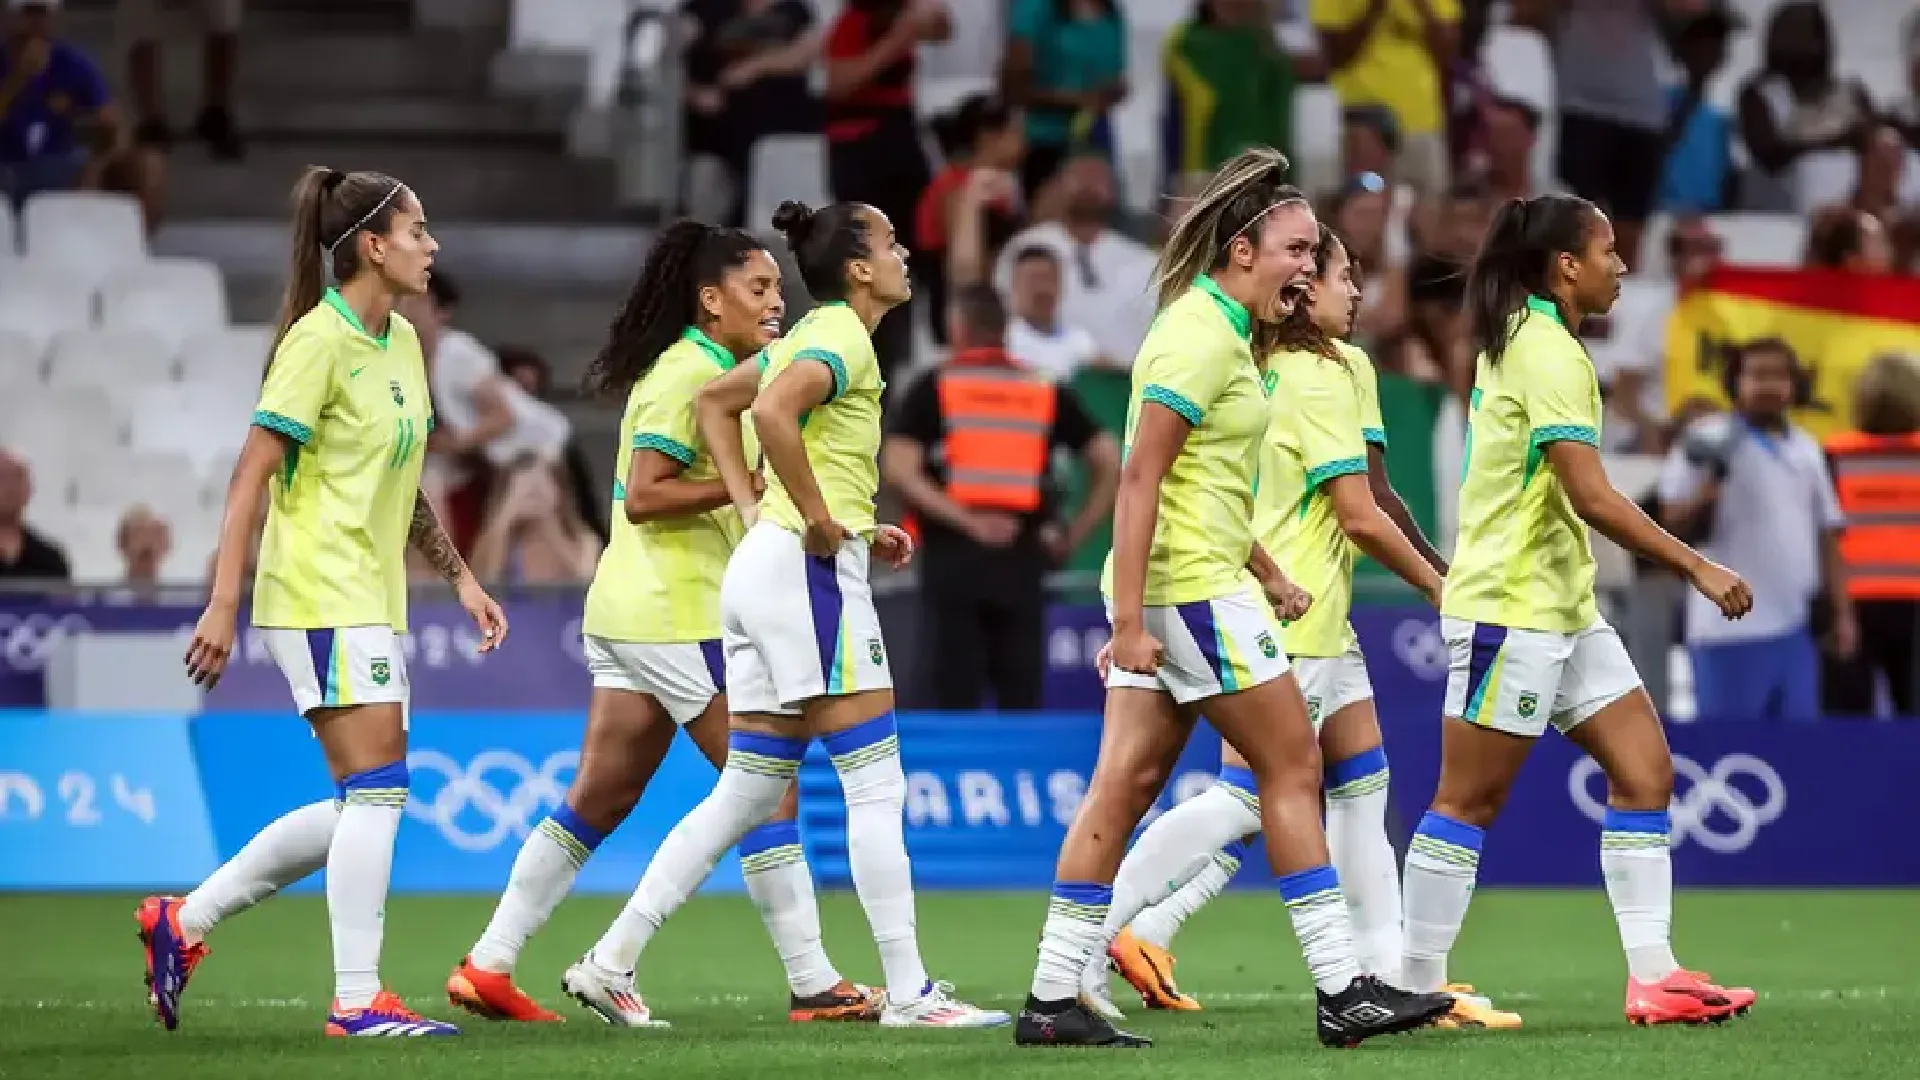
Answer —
(355, 373)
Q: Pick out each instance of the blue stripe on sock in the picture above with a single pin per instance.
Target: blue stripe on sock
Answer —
(588, 836)
(1360, 765)
(1084, 892)
(1457, 833)
(1237, 851)
(386, 776)
(773, 746)
(860, 736)
(1240, 778)
(1308, 882)
(769, 836)
(1655, 822)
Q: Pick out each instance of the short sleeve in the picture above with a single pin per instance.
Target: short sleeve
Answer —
(1028, 19)
(1828, 500)
(1328, 406)
(1561, 398)
(662, 414)
(299, 381)
(1333, 14)
(918, 415)
(85, 81)
(1072, 427)
(1373, 429)
(1680, 479)
(1168, 375)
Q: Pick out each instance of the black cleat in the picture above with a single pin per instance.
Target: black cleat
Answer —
(1369, 1007)
(1069, 1023)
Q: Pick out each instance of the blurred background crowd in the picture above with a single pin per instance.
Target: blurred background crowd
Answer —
(1030, 153)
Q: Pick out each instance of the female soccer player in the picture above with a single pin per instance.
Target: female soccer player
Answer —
(803, 651)
(1322, 462)
(706, 299)
(1191, 633)
(1528, 646)
(336, 446)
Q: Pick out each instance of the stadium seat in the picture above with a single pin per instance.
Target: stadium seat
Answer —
(108, 359)
(166, 482)
(786, 167)
(22, 362)
(41, 306)
(66, 423)
(1316, 138)
(171, 298)
(9, 232)
(230, 353)
(202, 423)
(91, 537)
(1763, 239)
(89, 233)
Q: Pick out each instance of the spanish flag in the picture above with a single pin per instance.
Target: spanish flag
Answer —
(1837, 323)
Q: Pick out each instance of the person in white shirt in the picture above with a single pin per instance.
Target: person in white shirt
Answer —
(483, 411)
(1752, 490)
(1036, 335)
(1107, 276)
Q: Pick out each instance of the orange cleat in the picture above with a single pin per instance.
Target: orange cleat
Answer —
(492, 996)
(1471, 1010)
(1684, 997)
(1148, 968)
(843, 1002)
(171, 960)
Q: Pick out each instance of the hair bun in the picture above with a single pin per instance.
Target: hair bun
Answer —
(793, 219)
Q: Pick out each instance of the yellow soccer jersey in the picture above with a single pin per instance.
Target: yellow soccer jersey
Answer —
(356, 407)
(659, 582)
(1522, 559)
(1317, 433)
(1372, 428)
(1196, 362)
(842, 435)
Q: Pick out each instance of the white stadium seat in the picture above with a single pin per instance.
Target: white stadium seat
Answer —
(42, 306)
(173, 298)
(228, 354)
(9, 232)
(1763, 239)
(22, 359)
(786, 167)
(109, 359)
(202, 423)
(165, 482)
(90, 233)
(91, 536)
(67, 423)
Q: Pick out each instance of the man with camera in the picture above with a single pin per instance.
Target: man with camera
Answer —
(1752, 492)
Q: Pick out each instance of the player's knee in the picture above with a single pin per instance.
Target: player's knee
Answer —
(867, 757)
(384, 785)
(1642, 785)
(604, 802)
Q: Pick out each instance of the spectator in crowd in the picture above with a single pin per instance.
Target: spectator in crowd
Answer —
(24, 553)
(1369, 141)
(1108, 274)
(1630, 356)
(973, 206)
(1889, 176)
(1469, 90)
(55, 107)
(586, 495)
(532, 533)
(1037, 336)
(746, 70)
(1391, 53)
(1065, 64)
(1802, 121)
(1230, 86)
(1886, 443)
(971, 450)
(1842, 238)
(1698, 175)
(1906, 112)
(1372, 220)
(873, 139)
(1512, 131)
(1751, 491)
(145, 540)
(219, 66)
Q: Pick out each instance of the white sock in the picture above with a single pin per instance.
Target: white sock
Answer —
(1636, 857)
(867, 757)
(1442, 862)
(1318, 909)
(758, 772)
(1362, 853)
(359, 866)
(781, 886)
(542, 876)
(1072, 936)
(1158, 924)
(290, 848)
(1176, 850)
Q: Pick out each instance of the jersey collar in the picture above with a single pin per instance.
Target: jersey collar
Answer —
(1234, 310)
(1548, 308)
(339, 304)
(715, 351)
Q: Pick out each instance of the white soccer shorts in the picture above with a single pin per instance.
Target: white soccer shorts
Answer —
(795, 626)
(1331, 683)
(1212, 647)
(1519, 681)
(684, 677)
(339, 668)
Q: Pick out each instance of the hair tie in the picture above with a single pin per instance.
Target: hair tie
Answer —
(368, 216)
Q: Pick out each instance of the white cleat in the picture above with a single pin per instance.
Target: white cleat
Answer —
(608, 995)
(1094, 993)
(937, 1009)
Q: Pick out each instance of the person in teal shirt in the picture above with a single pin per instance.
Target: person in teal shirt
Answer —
(1065, 64)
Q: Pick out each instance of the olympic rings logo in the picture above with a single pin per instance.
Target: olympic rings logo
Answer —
(1418, 644)
(497, 796)
(27, 641)
(1721, 810)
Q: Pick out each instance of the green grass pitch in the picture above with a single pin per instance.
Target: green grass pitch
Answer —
(1838, 975)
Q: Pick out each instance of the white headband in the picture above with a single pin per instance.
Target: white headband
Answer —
(1255, 219)
(377, 207)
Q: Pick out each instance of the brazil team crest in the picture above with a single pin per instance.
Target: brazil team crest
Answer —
(874, 652)
(1528, 704)
(380, 670)
(1313, 709)
(398, 398)
(1267, 647)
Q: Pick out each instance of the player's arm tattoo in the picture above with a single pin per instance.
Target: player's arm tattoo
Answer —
(432, 542)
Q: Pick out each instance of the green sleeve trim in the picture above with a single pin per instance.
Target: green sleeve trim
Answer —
(834, 364)
(1175, 400)
(1326, 471)
(673, 448)
(284, 425)
(431, 420)
(761, 360)
(1375, 436)
(1553, 433)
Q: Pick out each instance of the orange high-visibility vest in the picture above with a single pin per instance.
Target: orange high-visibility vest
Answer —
(1877, 478)
(997, 420)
